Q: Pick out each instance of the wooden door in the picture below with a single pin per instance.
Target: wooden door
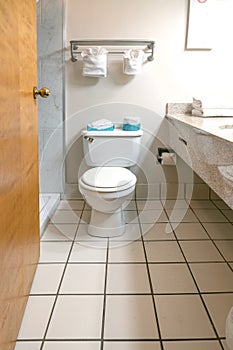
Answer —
(19, 213)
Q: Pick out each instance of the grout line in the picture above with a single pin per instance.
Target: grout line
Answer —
(199, 293)
(152, 294)
(213, 242)
(151, 288)
(104, 301)
(57, 294)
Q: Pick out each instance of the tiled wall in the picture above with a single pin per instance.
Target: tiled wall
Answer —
(50, 111)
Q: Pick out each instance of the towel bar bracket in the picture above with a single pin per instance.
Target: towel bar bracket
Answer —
(75, 45)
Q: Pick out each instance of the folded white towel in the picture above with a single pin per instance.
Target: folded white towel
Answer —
(94, 62)
(99, 125)
(132, 60)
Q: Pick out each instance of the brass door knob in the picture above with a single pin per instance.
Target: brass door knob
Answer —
(43, 92)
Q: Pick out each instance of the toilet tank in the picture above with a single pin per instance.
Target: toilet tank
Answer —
(112, 148)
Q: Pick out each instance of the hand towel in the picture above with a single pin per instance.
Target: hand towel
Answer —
(101, 125)
(131, 124)
(94, 62)
(132, 60)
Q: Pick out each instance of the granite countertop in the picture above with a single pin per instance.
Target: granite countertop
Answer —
(210, 125)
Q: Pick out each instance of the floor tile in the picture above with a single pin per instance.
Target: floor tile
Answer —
(213, 277)
(130, 317)
(27, 345)
(198, 251)
(177, 204)
(228, 214)
(158, 231)
(86, 216)
(66, 217)
(89, 252)
(132, 233)
(132, 252)
(219, 306)
(152, 216)
(87, 206)
(163, 252)
(219, 230)
(83, 235)
(130, 205)
(210, 215)
(149, 204)
(83, 279)
(183, 316)
(59, 232)
(71, 345)
(71, 205)
(131, 216)
(171, 278)
(54, 251)
(202, 204)
(220, 204)
(133, 279)
(132, 345)
(47, 278)
(38, 307)
(224, 343)
(226, 248)
(192, 345)
(76, 317)
(181, 215)
(190, 231)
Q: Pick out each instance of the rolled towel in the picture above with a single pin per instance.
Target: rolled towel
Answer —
(100, 125)
(197, 108)
(94, 62)
(132, 62)
(131, 124)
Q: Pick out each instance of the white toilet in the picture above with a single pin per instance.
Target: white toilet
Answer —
(108, 186)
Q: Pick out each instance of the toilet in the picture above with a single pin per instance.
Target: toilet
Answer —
(109, 185)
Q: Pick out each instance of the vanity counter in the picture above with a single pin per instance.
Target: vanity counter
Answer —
(206, 145)
(221, 127)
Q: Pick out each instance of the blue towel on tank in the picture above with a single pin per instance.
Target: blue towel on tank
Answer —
(111, 128)
(130, 127)
(131, 124)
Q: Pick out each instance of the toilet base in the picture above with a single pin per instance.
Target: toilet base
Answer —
(106, 225)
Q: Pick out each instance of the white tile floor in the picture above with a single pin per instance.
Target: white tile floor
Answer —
(167, 284)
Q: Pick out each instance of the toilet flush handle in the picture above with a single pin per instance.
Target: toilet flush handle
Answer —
(89, 139)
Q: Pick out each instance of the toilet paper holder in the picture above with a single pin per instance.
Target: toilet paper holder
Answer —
(162, 150)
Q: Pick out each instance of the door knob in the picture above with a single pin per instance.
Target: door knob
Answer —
(43, 92)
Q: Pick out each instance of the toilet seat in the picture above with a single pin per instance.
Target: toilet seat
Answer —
(108, 179)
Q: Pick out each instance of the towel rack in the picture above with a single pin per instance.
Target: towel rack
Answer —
(75, 44)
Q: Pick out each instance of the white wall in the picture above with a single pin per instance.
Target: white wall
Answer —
(175, 75)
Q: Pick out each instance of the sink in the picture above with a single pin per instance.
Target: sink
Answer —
(227, 126)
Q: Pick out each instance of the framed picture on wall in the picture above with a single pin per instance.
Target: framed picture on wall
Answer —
(199, 32)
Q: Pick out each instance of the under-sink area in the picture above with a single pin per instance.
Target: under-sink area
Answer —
(206, 145)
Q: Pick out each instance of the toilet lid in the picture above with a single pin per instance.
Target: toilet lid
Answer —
(107, 177)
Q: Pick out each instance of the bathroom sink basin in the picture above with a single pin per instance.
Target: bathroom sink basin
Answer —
(226, 127)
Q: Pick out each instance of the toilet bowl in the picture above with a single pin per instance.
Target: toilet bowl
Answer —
(109, 185)
(107, 190)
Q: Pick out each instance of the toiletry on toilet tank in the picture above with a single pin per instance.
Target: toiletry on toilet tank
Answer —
(131, 123)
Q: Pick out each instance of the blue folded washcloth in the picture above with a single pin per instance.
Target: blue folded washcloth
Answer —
(130, 127)
(100, 125)
(131, 124)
